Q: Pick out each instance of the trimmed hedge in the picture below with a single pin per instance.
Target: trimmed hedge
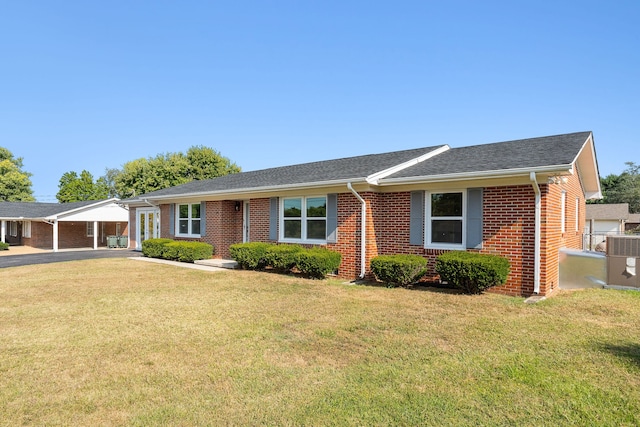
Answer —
(251, 255)
(399, 270)
(282, 257)
(153, 248)
(472, 272)
(314, 262)
(4, 246)
(177, 250)
(187, 251)
(318, 262)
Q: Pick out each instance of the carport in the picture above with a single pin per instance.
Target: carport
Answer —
(70, 225)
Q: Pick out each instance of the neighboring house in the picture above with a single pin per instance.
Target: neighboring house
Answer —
(62, 225)
(632, 224)
(607, 218)
(521, 199)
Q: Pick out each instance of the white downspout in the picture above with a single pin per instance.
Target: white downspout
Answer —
(55, 235)
(363, 232)
(537, 233)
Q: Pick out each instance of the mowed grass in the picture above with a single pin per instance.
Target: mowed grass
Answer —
(124, 342)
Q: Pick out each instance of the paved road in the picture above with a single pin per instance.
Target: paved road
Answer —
(49, 257)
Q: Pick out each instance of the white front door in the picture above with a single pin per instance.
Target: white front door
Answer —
(245, 223)
(148, 225)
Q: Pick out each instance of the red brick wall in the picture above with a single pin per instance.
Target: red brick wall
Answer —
(509, 230)
(223, 226)
(508, 217)
(70, 234)
(259, 220)
(552, 237)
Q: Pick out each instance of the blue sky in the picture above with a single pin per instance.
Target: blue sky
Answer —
(93, 85)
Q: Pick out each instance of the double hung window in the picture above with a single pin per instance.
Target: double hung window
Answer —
(445, 219)
(304, 218)
(189, 219)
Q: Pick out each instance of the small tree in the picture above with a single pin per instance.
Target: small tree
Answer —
(74, 188)
(15, 184)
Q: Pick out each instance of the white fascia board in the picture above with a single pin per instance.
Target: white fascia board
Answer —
(466, 176)
(376, 177)
(82, 208)
(254, 190)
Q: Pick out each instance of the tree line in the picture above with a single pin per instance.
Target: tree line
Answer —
(136, 177)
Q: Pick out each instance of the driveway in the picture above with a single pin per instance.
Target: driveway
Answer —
(47, 257)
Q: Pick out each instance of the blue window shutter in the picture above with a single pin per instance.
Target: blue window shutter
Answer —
(416, 221)
(273, 219)
(172, 219)
(474, 218)
(203, 219)
(332, 218)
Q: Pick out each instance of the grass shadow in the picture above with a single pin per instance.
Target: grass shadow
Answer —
(629, 351)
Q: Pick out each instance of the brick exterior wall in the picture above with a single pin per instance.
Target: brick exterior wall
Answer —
(71, 235)
(508, 229)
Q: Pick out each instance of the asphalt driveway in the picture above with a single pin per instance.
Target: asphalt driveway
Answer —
(62, 256)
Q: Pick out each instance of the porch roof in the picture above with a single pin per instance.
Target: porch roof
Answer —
(20, 211)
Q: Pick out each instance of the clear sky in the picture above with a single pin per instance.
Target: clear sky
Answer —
(93, 85)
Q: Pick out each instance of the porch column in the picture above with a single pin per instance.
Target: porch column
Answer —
(3, 230)
(55, 235)
(95, 235)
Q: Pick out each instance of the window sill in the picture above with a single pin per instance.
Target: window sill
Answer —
(446, 247)
(303, 242)
(189, 236)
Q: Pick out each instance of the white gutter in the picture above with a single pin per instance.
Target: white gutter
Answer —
(463, 176)
(537, 225)
(363, 232)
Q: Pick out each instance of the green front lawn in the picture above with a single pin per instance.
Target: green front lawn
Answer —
(123, 342)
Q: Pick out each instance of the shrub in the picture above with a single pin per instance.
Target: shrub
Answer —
(318, 262)
(400, 270)
(153, 248)
(251, 255)
(4, 246)
(472, 272)
(187, 251)
(282, 257)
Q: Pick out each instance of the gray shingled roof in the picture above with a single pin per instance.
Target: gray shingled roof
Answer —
(612, 211)
(558, 150)
(15, 210)
(525, 153)
(350, 168)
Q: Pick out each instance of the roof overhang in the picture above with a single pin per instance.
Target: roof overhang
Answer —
(587, 164)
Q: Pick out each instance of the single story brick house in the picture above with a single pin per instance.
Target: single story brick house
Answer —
(522, 199)
(62, 225)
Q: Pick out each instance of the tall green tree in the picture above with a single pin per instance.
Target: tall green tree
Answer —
(15, 184)
(143, 176)
(623, 188)
(74, 188)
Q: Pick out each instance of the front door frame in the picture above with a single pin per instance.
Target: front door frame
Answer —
(144, 233)
(246, 223)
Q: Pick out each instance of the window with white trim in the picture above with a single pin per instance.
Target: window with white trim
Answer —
(563, 211)
(304, 219)
(26, 229)
(13, 229)
(445, 220)
(188, 219)
(577, 213)
(89, 229)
